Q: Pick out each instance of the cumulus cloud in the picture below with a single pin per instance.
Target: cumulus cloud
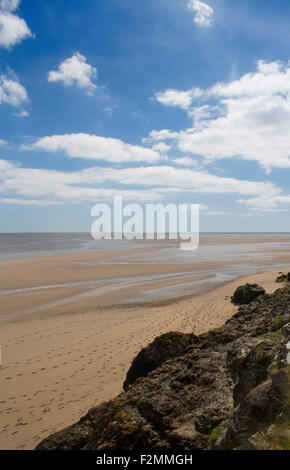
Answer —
(12, 92)
(5, 165)
(44, 187)
(10, 5)
(188, 180)
(28, 186)
(157, 136)
(161, 147)
(185, 161)
(75, 71)
(203, 12)
(268, 203)
(246, 118)
(180, 98)
(12, 29)
(93, 147)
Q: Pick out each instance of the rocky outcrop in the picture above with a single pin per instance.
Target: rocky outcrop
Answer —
(260, 374)
(283, 278)
(246, 294)
(224, 389)
(163, 348)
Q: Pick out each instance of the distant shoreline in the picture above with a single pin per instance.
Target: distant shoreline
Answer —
(38, 245)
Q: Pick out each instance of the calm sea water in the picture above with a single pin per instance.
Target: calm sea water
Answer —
(31, 245)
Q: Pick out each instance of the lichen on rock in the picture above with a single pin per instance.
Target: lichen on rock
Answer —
(247, 293)
(225, 389)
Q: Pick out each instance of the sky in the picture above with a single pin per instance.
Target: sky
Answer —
(160, 101)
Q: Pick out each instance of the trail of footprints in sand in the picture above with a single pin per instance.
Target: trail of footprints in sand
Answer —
(83, 353)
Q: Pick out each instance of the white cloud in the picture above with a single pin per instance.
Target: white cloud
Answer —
(201, 113)
(4, 166)
(183, 99)
(12, 29)
(93, 147)
(161, 147)
(157, 136)
(47, 187)
(22, 114)
(270, 79)
(44, 187)
(267, 203)
(12, 92)
(185, 161)
(246, 118)
(108, 110)
(75, 71)
(28, 202)
(203, 12)
(187, 179)
(10, 5)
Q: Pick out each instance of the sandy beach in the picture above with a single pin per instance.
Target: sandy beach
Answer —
(144, 153)
(71, 324)
(64, 359)
(158, 271)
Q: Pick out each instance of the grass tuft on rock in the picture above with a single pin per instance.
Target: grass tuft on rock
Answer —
(214, 434)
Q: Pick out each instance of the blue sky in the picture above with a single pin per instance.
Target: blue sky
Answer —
(157, 101)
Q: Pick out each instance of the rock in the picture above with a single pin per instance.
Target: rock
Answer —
(285, 330)
(279, 380)
(217, 390)
(248, 360)
(261, 402)
(259, 440)
(275, 438)
(72, 438)
(245, 294)
(164, 347)
(261, 383)
(185, 432)
(283, 278)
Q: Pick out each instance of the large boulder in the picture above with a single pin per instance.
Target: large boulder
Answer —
(164, 347)
(247, 293)
(283, 278)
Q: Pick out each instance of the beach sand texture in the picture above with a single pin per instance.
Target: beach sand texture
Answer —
(64, 359)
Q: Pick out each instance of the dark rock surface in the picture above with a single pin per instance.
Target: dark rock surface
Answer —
(283, 278)
(245, 294)
(164, 347)
(217, 390)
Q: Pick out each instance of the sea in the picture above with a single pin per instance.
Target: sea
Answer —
(34, 245)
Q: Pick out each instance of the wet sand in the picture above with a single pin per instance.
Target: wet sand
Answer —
(136, 275)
